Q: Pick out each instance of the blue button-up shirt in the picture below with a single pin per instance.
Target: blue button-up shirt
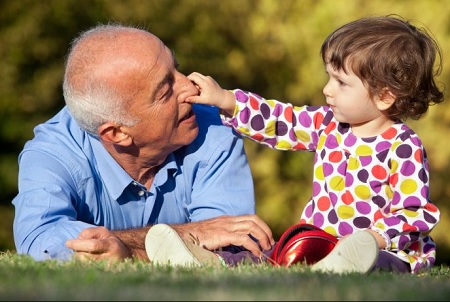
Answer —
(69, 182)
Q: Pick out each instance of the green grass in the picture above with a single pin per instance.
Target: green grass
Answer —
(23, 279)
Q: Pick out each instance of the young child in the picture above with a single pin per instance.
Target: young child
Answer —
(371, 172)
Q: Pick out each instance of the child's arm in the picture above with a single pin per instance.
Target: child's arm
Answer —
(211, 93)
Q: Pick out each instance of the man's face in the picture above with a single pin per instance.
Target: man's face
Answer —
(157, 93)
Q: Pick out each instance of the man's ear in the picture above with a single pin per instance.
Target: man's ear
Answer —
(114, 134)
(385, 99)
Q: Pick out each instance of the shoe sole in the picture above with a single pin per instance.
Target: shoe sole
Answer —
(356, 253)
(165, 247)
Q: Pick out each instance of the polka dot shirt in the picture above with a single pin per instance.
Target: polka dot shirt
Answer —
(379, 183)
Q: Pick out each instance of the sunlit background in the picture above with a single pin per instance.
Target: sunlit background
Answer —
(270, 47)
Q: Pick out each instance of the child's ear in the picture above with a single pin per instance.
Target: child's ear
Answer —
(114, 134)
(385, 99)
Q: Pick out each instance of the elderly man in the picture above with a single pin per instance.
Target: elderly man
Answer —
(126, 152)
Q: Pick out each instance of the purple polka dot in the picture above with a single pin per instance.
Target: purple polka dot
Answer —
(304, 119)
(365, 160)
(404, 151)
(423, 175)
(241, 96)
(379, 201)
(278, 110)
(391, 221)
(308, 210)
(318, 220)
(350, 140)
(265, 110)
(282, 128)
(344, 229)
(327, 169)
(396, 198)
(362, 222)
(363, 207)
(331, 142)
(332, 217)
(411, 201)
(428, 218)
(244, 116)
(363, 175)
(348, 180)
(407, 168)
(333, 198)
(257, 123)
(315, 188)
(376, 186)
(342, 168)
(382, 146)
(420, 225)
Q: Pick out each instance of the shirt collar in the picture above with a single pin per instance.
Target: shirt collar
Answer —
(115, 178)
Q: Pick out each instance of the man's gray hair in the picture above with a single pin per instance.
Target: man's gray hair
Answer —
(89, 97)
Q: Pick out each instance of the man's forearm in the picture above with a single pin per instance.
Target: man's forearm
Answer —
(134, 240)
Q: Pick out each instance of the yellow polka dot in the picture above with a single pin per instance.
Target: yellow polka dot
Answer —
(302, 136)
(321, 142)
(244, 130)
(364, 150)
(283, 145)
(395, 145)
(337, 183)
(338, 137)
(270, 128)
(345, 212)
(380, 226)
(330, 230)
(408, 186)
(362, 191)
(394, 166)
(353, 164)
(410, 213)
(389, 192)
(318, 173)
(271, 103)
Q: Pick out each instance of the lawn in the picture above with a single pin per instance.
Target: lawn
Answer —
(23, 279)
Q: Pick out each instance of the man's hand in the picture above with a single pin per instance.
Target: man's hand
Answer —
(98, 243)
(222, 231)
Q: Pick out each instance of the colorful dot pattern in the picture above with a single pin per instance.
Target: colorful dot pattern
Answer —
(379, 183)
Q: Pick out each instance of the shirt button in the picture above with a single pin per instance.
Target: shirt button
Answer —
(141, 193)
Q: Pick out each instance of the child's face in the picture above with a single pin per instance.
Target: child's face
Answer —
(349, 98)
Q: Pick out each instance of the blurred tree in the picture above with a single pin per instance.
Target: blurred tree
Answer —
(266, 46)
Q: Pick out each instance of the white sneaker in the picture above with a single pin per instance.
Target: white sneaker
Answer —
(355, 253)
(165, 247)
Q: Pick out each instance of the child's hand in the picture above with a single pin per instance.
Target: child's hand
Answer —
(211, 93)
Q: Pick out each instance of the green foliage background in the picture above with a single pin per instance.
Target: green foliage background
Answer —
(270, 47)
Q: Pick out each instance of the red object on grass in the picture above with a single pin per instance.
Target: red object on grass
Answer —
(302, 243)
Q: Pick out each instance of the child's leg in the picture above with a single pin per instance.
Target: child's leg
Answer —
(388, 262)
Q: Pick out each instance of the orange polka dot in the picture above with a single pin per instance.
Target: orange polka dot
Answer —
(318, 119)
(431, 207)
(288, 114)
(390, 133)
(378, 215)
(418, 155)
(408, 228)
(335, 156)
(323, 203)
(330, 127)
(259, 137)
(393, 180)
(379, 172)
(299, 146)
(254, 103)
(347, 198)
